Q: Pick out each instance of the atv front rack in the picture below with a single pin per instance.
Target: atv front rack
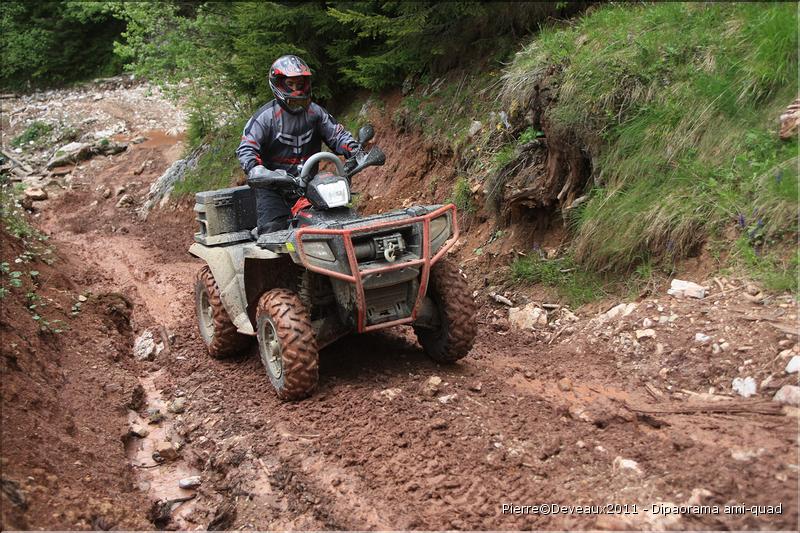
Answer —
(357, 275)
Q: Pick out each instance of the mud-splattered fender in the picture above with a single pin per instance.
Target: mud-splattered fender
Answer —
(227, 266)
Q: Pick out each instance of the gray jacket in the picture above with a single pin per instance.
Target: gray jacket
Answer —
(277, 139)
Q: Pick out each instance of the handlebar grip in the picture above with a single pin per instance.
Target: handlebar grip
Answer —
(271, 180)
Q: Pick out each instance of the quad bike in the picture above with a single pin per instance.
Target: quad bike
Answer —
(330, 273)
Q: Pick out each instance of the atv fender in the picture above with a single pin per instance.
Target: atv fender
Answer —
(227, 268)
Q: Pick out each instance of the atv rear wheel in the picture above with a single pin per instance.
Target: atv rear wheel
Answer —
(287, 344)
(452, 339)
(218, 332)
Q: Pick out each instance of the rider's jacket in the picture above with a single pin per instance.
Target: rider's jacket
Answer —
(277, 139)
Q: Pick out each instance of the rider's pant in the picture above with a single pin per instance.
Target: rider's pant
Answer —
(273, 210)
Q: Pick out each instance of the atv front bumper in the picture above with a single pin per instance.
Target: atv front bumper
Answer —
(385, 259)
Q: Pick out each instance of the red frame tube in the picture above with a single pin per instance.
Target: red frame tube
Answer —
(357, 277)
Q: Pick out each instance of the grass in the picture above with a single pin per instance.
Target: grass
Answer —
(443, 111)
(35, 246)
(462, 197)
(34, 132)
(678, 104)
(574, 285)
(218, 166)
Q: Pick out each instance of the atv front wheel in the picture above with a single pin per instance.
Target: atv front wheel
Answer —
(287, 344)
(455, 332)
(216, 328)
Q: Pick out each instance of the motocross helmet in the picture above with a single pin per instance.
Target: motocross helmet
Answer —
(290, 66)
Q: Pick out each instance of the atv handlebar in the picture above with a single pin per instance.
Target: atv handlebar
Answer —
(312, 162)
(281, 179)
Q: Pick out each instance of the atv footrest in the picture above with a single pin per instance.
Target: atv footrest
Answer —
(274, 241)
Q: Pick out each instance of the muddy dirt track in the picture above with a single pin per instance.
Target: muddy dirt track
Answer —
(583, 414)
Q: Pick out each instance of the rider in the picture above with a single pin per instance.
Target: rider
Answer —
(283, 134)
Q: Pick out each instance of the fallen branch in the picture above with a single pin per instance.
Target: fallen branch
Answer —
(764, 407)
(17, 162)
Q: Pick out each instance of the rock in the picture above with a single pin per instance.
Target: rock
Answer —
(724, 346)
(684, 289)
(529, 317)
(139, 431)
(154, 416)
(167, 451)
(790, 352)
(626, 464)
(645, 333)
(164, 184)
(647, 323)
(119, 190)
(741, 454)
(431, 386)
(618, 311)
(744, 387)
(70, 153)
(82, 298)
(790, 119)
(698, 496)
(139, 140)
(137, 399)
(567, 316)
(789, 395)
(190, 482)
(178, 405)
(475, 127)
(565, 384)
(35, 194)
(476, 387)
(701, 338)
(144, 347)
(438, 423)
(447, 398)
(125, 201)
(715, 349)
(793, 365)
(391, 394)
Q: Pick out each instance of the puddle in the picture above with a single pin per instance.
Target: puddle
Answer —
(159, 482)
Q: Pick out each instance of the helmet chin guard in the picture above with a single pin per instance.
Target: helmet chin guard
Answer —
(290, 66)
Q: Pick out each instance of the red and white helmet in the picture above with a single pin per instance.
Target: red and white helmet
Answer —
(290, 66)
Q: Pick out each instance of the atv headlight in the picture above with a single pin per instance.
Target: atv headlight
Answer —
(335, 194)
(318, 250)
(437, 226)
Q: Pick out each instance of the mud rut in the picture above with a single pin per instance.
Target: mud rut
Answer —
(371, 449)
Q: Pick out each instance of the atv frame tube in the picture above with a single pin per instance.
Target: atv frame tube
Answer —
(357, 276)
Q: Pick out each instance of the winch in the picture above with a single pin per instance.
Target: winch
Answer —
(390, 247)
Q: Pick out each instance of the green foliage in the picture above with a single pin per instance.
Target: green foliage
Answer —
(574, 285)
(55, 42)
(34, 132)
(778, 272)
(462, 197)
(390, 40)
(217, 167)
(224, 49)
(199, 126)
(677, 102)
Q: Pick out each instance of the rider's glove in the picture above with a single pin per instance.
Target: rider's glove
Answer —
(261, 177)
(258, 172)
(352, 148)
(356, 156)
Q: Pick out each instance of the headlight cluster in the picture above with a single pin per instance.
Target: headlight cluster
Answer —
(319, 250)
(335, 194)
